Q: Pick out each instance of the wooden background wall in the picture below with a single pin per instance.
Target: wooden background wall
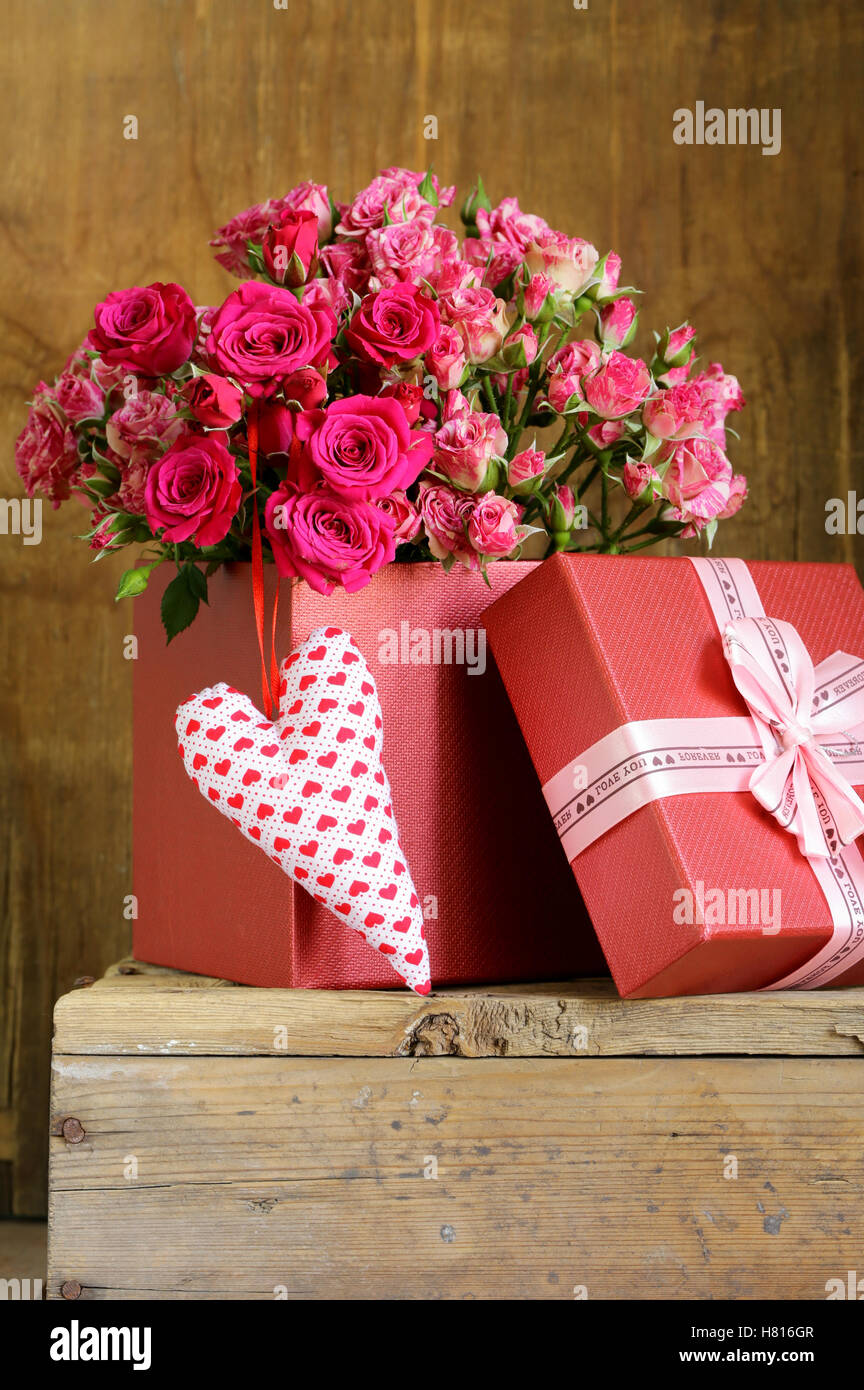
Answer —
(571, 109)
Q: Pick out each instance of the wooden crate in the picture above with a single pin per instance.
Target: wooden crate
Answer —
(552, 1141)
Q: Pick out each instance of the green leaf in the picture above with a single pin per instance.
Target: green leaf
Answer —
(134, 581)
(426, 189)
(179, 604)
(197, 581)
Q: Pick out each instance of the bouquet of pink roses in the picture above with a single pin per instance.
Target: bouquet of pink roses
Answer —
(390, 383)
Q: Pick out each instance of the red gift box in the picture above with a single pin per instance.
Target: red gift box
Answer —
(208, 901)
(588, 643)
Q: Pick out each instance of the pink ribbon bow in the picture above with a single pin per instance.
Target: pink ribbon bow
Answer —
(795, 717)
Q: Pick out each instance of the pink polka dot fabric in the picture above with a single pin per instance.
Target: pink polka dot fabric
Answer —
(311, 791)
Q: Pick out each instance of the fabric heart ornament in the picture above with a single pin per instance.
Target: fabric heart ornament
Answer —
(311, 791)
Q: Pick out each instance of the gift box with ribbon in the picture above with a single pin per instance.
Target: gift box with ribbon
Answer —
(695, 725)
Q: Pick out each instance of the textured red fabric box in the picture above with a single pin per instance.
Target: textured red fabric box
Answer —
(588, 643)
(471, 817)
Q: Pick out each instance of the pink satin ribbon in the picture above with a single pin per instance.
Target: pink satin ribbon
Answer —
(798, 751)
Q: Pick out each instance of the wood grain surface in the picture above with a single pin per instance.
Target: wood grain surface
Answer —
(139, 1010)
(572, 110)
(446, 1178)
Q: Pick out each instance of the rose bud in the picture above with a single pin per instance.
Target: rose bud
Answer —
(639, 478)
(290, 248)
(520, 348)
(609, 270)
(306, 387)
(561, 509)
(525, 472)
(275, 428)
(446, 360)
(539, 299)
(409, 396)
(215, 402)
(618, 321)
(675, 345)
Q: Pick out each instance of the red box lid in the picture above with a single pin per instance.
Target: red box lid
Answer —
(589, 642)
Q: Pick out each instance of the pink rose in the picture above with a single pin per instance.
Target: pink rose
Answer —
(720, 395)
(150, 330)
(328, 540)
(46, 452)
(324, 292)
(465, 447)
(493, 528)
(606, 433)
(290, 248)
(618, 320)
(260, 335)
(362, 446)
(215, 402)
(508, 223)
(347, 262)
(567, 261)
(386, 200)
(479, 318)
(193, 490)
(675, 413)
(250, 225)
(312, 197)
(413, 178)
(406, 519)
(446, 360)
(454, 274)
(526, 470)
(146, 420)
(446, 514)
(737, 497)
(638, 477)
(697, 481)
(395, 325)
(618, 386)
(132, 490)
(403, 251)
(564, 390)
(495, 260)
(580, 358)
(79, 397)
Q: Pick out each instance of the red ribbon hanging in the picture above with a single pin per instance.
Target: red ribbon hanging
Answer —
(270, 689)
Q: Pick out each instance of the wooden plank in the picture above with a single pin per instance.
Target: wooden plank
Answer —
(309, 1174)
(170, 1013)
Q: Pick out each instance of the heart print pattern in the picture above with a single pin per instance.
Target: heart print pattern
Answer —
(310, 790)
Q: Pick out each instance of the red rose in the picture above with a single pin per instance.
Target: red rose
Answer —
(149, 330)
(307, 387)
(260, 335)
(328, 540)
(193, 490)
(363, 446)
(215, 402)
(290, 248)
(395, 325)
